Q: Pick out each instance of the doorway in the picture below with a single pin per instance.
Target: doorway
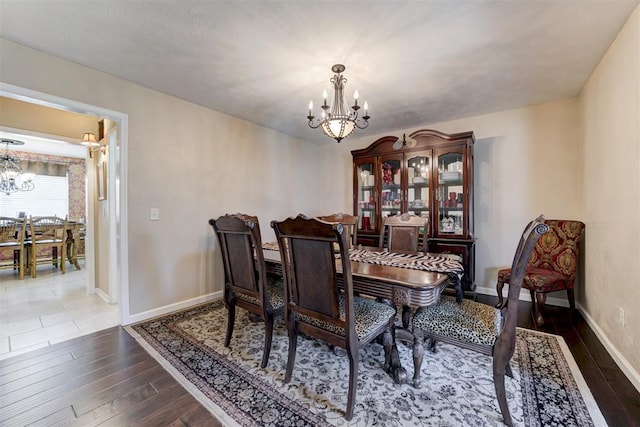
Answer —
(114, 214)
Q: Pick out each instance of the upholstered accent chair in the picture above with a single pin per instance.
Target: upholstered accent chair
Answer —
(479, 327)
(403, 233)
(314, 303)
(47, 242)
(552, 265)
(246, 282)
(12, 249)
(349, 221)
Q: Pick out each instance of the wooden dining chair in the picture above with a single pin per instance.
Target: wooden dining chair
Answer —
(403, 233)
(480, 327)
(349, 221)
(246, 282)
(314, 303)
(12, 249)
(47, 242)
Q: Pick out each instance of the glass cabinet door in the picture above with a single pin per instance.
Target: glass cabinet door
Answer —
(450, 196)
(418, 174)
(366, 197)
(391, 196)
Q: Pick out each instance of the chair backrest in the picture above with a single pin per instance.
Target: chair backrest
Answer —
(241, 246)
(49, 230)
(530, 237)
(558, 249)
(12, 231)
(402, 232)
(351, 223)
(310, 275)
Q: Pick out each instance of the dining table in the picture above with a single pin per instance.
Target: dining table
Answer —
(407, 279)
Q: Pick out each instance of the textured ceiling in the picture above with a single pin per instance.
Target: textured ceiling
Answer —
(415, 62)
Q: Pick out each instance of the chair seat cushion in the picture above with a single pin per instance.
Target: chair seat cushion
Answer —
(539, 279)
(467, 321)
(275, 293)
(370, 315)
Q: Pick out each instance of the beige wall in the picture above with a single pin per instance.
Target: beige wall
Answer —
(611, 203)
(192, 163)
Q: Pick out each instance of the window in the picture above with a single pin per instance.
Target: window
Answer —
(49, 197)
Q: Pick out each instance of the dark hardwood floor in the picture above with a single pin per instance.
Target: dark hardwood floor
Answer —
(107, 378)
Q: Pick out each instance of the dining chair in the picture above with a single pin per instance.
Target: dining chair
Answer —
(315, 305)
(403, 233)
(552, 266)
(351, 221)
(47, 233)
(480, 327)
(12, 249)
(246, 282)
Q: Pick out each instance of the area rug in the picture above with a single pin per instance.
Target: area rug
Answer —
(547, 388)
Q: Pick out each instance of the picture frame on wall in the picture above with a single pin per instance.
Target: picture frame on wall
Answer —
(101, 172)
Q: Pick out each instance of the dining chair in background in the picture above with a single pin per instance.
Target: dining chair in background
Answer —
(246, 282)
(351, 223)
(315, 305)
(12, 249)
(480, 327)
(47, 242)
(552, 265)
(403, 232)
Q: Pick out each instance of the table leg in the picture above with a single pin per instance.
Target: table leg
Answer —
(392, 361)
(72, 248)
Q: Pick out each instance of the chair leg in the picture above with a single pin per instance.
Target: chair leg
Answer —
(231, 320)
(498, 381)
(63, 257)
(354, 357)
(268, 334)
(418, 353)
(32, 261)
(572, 301)
(541, 298)
(499, 286)
(293, 343)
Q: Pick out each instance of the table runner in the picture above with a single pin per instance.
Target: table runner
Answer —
(425, 262)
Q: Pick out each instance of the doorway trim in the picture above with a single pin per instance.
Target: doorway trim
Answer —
(118, 235)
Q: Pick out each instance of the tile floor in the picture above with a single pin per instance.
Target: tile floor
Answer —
(54, 307)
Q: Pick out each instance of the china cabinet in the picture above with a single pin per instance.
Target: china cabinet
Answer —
(429, 174)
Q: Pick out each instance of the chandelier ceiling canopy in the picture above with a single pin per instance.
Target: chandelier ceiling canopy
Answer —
(12, 179)
(341, 121)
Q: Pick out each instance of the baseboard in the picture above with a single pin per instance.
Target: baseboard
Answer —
(620, 360)
(103, 295)
(622, 363)
(524, 296)
(161, 311)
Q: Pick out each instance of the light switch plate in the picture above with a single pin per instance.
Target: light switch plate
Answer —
(154, 214)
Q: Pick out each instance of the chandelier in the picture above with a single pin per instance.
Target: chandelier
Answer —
(12, 179)
(340, 122)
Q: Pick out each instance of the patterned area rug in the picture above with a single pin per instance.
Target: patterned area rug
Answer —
(547, 389)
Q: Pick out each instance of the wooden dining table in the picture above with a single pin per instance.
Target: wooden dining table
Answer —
(395, 285)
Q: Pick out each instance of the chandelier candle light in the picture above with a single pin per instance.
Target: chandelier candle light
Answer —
(12, 179)
(340, 122)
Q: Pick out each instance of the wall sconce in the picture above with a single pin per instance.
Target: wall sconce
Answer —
(89, 139)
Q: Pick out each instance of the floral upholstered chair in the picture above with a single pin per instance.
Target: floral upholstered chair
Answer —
(552, 265)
